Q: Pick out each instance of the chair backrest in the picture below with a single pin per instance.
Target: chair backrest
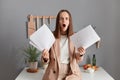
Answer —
(34, 22)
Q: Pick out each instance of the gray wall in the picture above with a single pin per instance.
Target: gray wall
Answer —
(104, 14)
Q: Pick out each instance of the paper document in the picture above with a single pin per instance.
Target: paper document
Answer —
(85, 37)
(43, 38)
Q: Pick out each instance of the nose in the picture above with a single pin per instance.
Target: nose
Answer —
(63, 20)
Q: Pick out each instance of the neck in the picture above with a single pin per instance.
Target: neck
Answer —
(63, 33)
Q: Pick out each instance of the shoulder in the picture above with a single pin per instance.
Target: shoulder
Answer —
(73, 33)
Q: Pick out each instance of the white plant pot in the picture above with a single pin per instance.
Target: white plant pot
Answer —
(33, 65)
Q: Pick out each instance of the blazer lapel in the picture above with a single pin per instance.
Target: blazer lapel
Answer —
(71, 49)
(57, 51)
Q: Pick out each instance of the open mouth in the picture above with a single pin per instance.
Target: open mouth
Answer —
(64, 25)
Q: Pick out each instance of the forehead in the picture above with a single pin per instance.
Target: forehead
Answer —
(64, 14)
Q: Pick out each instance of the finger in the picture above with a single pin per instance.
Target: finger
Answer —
(81, 48)
(43, 53)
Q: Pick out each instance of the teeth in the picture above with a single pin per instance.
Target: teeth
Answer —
(64, 25)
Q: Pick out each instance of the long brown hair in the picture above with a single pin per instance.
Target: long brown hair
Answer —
(70, 27)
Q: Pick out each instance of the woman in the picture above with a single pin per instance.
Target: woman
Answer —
(63, 57)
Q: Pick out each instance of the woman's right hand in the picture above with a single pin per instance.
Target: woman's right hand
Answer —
(45, 55)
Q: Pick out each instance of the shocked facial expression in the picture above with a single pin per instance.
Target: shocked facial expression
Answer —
(64, 22)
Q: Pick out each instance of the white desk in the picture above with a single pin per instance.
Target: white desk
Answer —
(100, 74)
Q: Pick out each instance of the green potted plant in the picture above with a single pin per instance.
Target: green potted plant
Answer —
(32, 55)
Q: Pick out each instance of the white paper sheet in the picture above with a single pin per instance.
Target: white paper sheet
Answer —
(43, 38)
(85, 37)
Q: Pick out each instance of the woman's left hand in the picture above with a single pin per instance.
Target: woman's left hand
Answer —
(82, 51)
(80, 54)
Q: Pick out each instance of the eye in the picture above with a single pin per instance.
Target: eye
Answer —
(66, 18)
(61, 18)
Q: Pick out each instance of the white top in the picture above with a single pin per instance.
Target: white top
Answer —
(64, 52)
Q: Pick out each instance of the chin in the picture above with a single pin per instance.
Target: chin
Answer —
(64, 30)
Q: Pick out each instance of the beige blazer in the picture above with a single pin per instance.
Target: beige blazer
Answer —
(52, 70)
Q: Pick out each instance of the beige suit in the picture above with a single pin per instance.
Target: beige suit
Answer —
(52, 70)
